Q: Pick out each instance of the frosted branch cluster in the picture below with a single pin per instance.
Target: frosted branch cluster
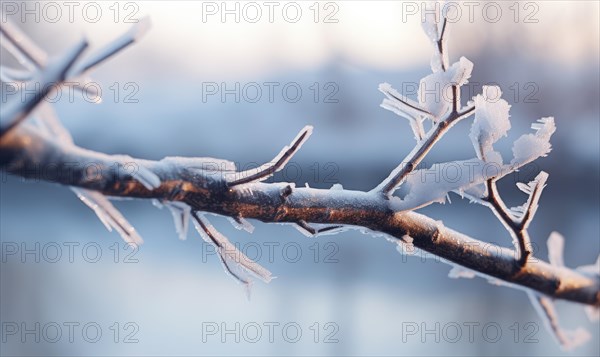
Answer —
(31, 133)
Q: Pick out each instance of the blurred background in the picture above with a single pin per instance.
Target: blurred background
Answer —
(238, 80)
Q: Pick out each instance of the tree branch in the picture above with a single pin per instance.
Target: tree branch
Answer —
(27, 152)
(44, 150)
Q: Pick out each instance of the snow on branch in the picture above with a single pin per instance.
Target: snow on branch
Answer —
(193, 187)
(530, 147)
(490, 124)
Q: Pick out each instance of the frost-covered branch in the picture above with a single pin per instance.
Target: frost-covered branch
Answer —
(517, 219)
(191, 188)
(490, 124)
(416, 156)
(208, 191)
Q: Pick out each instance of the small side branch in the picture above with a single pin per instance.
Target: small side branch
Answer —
(534, 190)
(416, 156)
(520, 235)
(441, 44)
(54, 74)
(312, 231)
(276, 164)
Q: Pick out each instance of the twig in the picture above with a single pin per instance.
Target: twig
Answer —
(414, 158)
(520, 235)
(277, 163)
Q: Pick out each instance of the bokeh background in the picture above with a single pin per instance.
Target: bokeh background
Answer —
(347, 294)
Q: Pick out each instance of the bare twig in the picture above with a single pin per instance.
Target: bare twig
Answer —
(312, 231)
(519, 234)
(441, 42)
(277, 164)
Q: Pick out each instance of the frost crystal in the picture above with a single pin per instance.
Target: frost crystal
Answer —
(490, 124)
(534, 190)
(108, 215)
(404, 107)
(181, 217)
(530, 147)
(460, 272)
(337, 187)
(547, 311)
(556, 245)
(435, 90)
(303, 230)
(426, 186)
(236, 263)
(241, 223)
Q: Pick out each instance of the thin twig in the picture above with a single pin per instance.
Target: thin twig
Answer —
(516, 229)
(414, 158)
(440, 43)
(278, 163)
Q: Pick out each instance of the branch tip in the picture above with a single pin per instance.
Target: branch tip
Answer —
(267, 170)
